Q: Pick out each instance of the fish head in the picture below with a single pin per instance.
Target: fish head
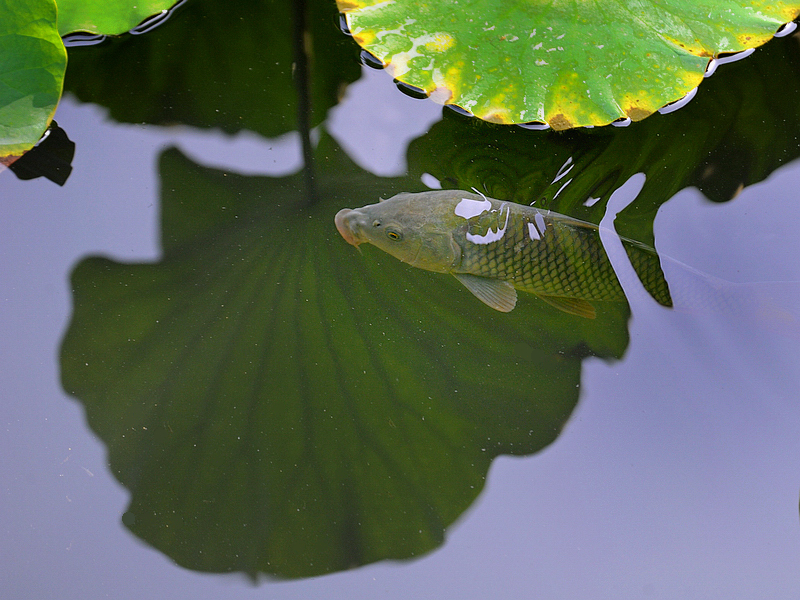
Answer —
(410, 227)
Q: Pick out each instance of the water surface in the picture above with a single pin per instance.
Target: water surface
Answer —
(675, 476)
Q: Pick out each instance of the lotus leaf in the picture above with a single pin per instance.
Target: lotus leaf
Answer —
(564, 63)
(106, 18)
(32, 63)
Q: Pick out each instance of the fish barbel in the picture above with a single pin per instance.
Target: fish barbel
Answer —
(495, 248)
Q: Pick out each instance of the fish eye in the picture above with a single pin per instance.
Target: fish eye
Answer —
(394, 234)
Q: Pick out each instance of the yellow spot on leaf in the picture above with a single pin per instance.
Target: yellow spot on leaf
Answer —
(637, 113)
(441, 42)
(364, 38)
(559, 122)
(347, 5)
(497, 116)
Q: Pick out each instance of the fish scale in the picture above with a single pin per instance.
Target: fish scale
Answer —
(568, 260)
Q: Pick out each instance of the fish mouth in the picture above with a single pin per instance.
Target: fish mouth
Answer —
(344, 224)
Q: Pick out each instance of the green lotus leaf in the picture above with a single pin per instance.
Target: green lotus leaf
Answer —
(32, 63)
(277, 402)
(106, 17)
(567, 63)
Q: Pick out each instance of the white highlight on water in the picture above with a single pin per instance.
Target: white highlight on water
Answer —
(540, 224)
(469, 208)
(786, 29)
(722, 60)
(430, 181)
(678, 103)
(491, 235)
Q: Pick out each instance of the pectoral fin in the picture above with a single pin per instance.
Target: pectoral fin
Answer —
(500, 295)
(573, 306)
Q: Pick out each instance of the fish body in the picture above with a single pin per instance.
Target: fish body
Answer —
(493, 247)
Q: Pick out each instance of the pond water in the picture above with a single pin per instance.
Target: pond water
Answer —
(656, 456)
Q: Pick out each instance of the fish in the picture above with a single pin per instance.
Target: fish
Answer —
(495, 247)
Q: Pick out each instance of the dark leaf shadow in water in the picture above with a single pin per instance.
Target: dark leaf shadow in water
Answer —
(232, 66)
(51, 158)
(278, 404)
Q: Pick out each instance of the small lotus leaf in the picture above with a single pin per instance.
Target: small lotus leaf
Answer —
(566, 63)
(32, 63)
(104, 17)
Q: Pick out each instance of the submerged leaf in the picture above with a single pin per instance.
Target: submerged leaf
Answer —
(277, 403)
(32, 64)
(567, 64)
